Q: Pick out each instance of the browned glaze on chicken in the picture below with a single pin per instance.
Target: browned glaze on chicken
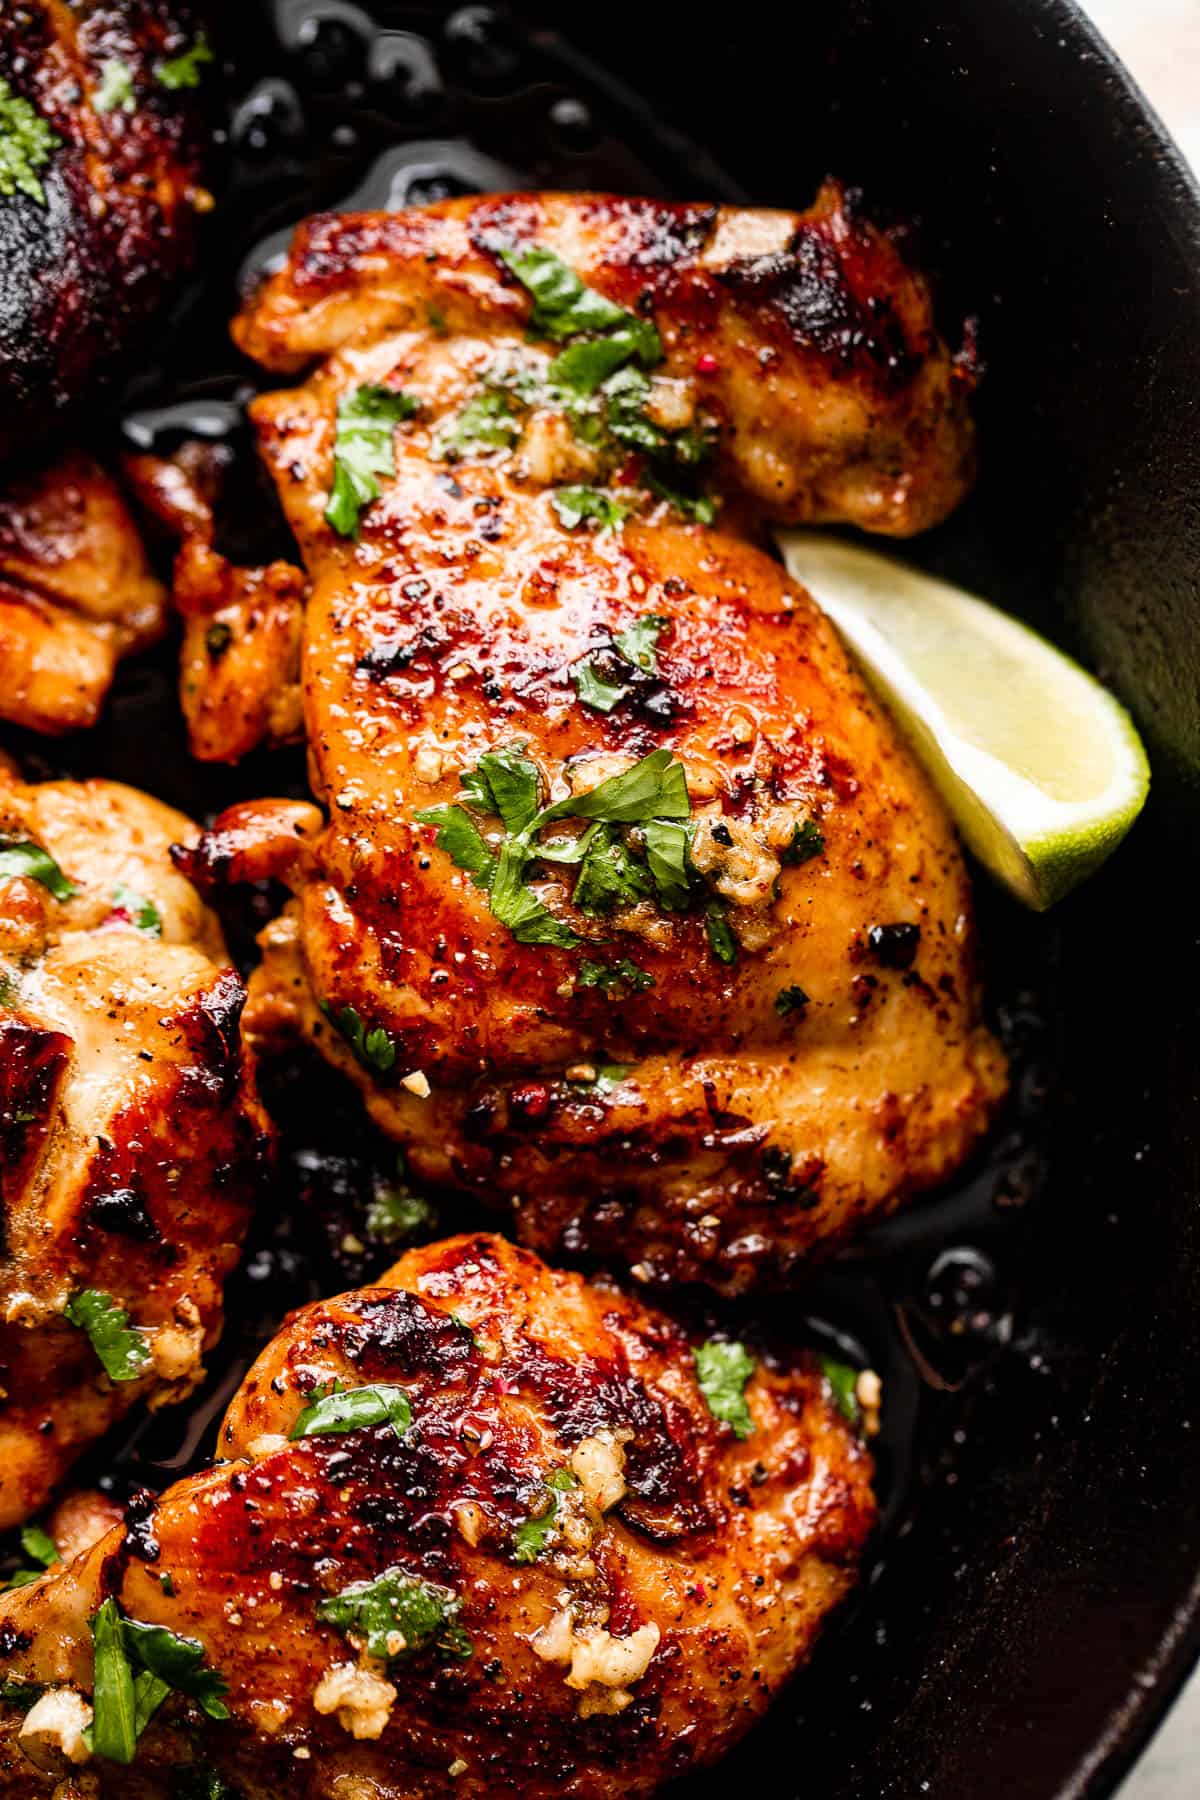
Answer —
(76, 594)
(538, 1566)
(705, 1070)
(130, 1135)
(98, 216)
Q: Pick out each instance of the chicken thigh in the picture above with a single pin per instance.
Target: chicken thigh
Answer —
(629, 905)
(131, 1138)
(481, 1529)
(76, 594)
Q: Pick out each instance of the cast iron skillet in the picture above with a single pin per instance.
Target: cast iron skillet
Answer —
(1035, 1600)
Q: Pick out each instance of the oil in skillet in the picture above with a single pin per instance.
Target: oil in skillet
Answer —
(340, 104)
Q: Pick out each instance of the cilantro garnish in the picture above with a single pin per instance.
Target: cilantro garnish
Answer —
(609, 876)
(375, 1048)
(396, 1213)
(790, 1000)
(331, 1412)
(485, 423)
(564, 308)
(136, 1667)
(141, 912)
(654, 788)
(398, 1615)
(667, 845)
(575, 504)
(30, 860)
(200, 1781)
(40, 1547)
(604, 678)
(26, 145)
(183, 71)
(120, 1348)
(843, 1382)
(533, 1535)
(608, 977)
(362, 450)
(721, 940)
(722, 1371)
(807, 841)
(115, 88)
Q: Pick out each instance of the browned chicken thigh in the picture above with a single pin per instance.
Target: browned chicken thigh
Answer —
(629, 906)
(76, 594)
(482, 1529)
(130, 1135)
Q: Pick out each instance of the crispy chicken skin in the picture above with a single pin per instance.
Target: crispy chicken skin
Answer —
(829, 1060)
(76, 594)
(680, 1575)
(89, 254)
(130, 1135)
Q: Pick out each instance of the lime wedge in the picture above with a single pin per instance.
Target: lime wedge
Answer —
(1041, 768)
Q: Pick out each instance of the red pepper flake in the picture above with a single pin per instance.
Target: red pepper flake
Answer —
(706, 363)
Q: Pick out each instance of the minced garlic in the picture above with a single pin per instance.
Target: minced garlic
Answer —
(362, 1699)
(599, 1463)
(51, 1735)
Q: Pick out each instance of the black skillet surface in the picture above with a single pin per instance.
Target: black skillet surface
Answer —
(1034, 1599)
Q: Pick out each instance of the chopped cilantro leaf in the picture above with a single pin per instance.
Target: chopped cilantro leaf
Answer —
(136, 1666)
(396, 1213)
(485, 423)
(352, 1409)
(458, 836)
(608, 977)
(564, 308)
(39, 1545)
(575, 504)
(721, 940)
(533, 1534)
(179, 1662)
(31, 861)
(374, 1048)
(667, 843)
(843, 1382)
(505, 782)
(654, 788)
(115, 88)
(790, 1000)
(722, 1371)
(583, 367)
(518, 907)
(594, 687)
(113, 1731)
(398, 1615)
(609, 877)
(26, 145)
(183, 71)
(639, 643)
(141, 912)
(807, 841)
(363, 449)
(200, 1781)
(121, 1348)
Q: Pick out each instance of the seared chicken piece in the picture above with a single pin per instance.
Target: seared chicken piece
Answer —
(703, 1015)
(239, 668)
(76, 594)
(99, 189)
(477, 1533)
(130, 1135)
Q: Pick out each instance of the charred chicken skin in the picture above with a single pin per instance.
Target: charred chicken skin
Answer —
(481, 1529)
(99, 189)
(76, 594)
(130, 1134)
(628, 904)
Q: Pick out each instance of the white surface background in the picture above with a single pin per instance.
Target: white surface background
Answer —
(1159, 42)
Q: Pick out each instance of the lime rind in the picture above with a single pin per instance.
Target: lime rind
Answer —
(1035, 841)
